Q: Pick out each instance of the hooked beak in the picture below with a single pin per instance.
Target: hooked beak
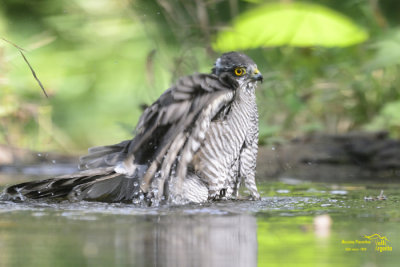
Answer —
(257, 76)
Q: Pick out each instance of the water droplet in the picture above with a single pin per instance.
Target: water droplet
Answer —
(273, 148)
(282, 191)
(54, 161)
(338, 192)
(39, 154)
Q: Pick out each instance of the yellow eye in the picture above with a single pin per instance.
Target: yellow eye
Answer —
(240, 71)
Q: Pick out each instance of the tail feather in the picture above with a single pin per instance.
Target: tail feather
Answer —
(112, 188)
(101, 184)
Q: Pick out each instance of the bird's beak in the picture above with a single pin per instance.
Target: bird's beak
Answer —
(257, 76)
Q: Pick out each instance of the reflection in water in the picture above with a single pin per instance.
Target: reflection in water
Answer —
(206, 241)
(179, 239)
(190, 241)
(322, 226)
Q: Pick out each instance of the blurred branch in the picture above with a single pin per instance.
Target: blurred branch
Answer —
(202, 17)
(29, 65)
(234, 8)
(379, 17)
(150, 67)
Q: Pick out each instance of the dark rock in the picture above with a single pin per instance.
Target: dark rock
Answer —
(337, 157)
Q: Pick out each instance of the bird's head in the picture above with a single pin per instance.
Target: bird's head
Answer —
(237, 66)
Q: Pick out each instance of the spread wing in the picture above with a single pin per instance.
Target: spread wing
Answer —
(172, 127)
(168, 135)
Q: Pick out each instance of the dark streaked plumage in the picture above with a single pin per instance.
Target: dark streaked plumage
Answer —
(198, 141)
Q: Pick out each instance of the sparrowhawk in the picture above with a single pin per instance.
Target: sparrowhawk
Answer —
(197, 142)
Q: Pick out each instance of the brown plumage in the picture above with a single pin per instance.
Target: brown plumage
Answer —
(204, 123)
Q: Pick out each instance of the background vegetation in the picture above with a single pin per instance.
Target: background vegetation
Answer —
(101, 60)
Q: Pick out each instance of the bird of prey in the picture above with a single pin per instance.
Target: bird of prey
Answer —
(197, 142)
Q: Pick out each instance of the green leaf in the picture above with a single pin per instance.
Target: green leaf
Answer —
(295, 24)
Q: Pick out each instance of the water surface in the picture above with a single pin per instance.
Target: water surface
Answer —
(295, 224)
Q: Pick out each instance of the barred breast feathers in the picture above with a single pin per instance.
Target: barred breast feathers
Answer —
(225, 141)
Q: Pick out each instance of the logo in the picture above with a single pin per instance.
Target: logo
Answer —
(381, 242)
(370, 242)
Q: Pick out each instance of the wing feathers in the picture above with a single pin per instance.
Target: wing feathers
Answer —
(172, 128)
(218, 103)
(103, 156)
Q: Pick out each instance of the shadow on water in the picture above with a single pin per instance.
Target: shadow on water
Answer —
(295, 224)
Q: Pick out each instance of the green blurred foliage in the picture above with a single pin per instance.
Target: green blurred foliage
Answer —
(388, 118)
(101, 60)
